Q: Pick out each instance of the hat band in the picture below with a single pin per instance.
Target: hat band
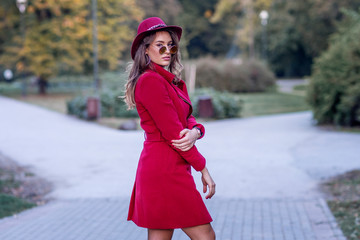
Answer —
(156, 26)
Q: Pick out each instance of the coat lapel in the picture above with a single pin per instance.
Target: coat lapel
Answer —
(181, 86)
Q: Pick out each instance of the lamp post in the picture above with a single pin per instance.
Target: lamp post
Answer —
(95, 46)
(93, 106)
(264, 16)
(22, 4)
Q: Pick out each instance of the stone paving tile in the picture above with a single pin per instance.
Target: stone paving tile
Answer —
(234, 219)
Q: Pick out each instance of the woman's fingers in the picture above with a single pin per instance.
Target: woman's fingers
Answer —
(204, 188)
(182, 147)
(181, 141)
(186, 141)
(208, 182)
(183, 132)
(211, 190)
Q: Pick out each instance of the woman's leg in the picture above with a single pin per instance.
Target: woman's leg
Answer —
(160, 234)
(201, 232)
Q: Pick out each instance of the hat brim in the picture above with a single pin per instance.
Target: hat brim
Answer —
(139, 37)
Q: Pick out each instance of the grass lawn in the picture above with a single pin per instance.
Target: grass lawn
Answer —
(53, 101)
(10, 205)
(255, 104)
(341, 128)
(300, 89)
(345, 202)
(347, 215)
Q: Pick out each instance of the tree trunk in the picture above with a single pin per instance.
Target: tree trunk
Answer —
(43, 84)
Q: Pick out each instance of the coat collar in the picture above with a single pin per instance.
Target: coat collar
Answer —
(163, 72)
(170, 77)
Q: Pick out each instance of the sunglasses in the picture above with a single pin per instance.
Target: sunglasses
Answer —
(172, 49)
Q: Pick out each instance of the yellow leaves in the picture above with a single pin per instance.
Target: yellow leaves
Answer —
(81, 32)
(67, 23)
(223, 7)
(208, 13)
(40, 4)
(2, 12)
(263, 4)
(228, 6)
(80, 20)
(247, 12)
(30, 9)
(20, 66)
(62, 37)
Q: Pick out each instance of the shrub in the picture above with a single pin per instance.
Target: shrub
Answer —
(111, 105)
(77, 106)
(225, 105)
(9, 88)
(334, 89)
(208, 74)
(228, 75)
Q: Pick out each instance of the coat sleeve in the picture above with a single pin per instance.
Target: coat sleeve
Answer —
(192, 123)
(152, 93)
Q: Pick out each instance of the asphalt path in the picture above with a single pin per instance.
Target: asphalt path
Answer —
(278, 156)
(267, 170)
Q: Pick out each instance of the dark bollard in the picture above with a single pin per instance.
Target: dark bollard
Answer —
(205, 106)
(128, 125)
(93, 108)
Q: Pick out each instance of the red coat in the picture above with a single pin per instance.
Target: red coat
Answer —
(164, 194)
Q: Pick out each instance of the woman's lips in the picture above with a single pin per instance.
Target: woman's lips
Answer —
(166, 58)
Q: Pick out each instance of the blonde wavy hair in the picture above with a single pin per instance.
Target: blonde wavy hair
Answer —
(140, 65)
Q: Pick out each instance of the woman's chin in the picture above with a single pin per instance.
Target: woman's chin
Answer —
(163, 63)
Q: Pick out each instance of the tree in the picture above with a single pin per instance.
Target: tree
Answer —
(59, 36)
(334, 90)
(324, 18)
(288, 56)
(201, 36)
(299, 30)
(167, 10)
(247, 14)
(10, 37)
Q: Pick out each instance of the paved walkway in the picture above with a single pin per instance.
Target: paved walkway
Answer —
(287, 85)
(104, 219)
(266, 169)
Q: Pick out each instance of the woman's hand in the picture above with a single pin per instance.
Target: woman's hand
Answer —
(187, 139)
(208, 182)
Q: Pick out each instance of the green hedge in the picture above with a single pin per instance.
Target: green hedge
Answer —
(334, 90)
(111, 105)
(228, 75)
(226, 105)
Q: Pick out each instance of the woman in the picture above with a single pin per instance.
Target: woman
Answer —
(164, 195)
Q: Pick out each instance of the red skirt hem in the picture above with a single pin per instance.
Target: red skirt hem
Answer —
(170, 226)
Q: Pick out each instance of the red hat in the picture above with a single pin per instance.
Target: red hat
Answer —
(149, 25)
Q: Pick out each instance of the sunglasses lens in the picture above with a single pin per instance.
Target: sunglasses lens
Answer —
(162, 50)
(173, 49)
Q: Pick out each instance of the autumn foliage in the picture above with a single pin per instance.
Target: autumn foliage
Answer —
(58, 35)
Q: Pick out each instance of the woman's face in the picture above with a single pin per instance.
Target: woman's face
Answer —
(162, 38)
